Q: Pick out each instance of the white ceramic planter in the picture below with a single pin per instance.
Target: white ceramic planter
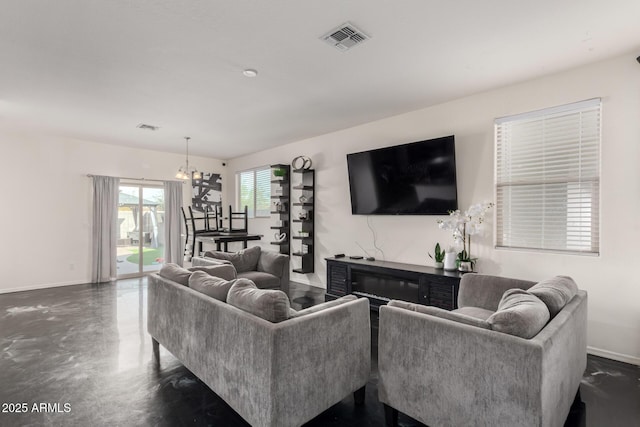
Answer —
(450, 261)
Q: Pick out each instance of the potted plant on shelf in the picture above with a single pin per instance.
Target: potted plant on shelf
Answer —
(279, 173)
(464, 225)
(438, 256)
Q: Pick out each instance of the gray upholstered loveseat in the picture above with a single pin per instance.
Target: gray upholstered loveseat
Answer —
(456, 368)
(272, 374)
(267, 269)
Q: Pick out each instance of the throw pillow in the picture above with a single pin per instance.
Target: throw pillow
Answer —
(519, 313)
(245, 260)
(223, 271)
(176, 273)
(269, 304)
(439, 312)
(555, 292)
(215, 287)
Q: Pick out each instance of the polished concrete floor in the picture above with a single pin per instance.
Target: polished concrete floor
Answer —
(80, 356)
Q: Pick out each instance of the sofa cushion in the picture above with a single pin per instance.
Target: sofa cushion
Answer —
(244, 260)
(555, 292)
(215, 287)
(269, 304)
(477, 312)
(175, 273)
(262, 280)
(519, 313)
(438, 312)
(323, 306)
(223, 271)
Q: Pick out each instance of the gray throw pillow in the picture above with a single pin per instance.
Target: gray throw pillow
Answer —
(215, 287)
(439, 312)
(224, 271)
(176, 273)
(245, 260)
(269, 304)
(555, 292)
(519, 313)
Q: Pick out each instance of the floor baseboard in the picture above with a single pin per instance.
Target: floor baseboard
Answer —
(43, 286)
(614, 356)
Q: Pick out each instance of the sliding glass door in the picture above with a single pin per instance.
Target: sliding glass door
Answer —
(140, 229)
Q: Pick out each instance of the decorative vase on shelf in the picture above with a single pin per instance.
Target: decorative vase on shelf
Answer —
(450, 261)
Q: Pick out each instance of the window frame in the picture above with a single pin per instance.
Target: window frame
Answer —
(594, 199)
(253, 210)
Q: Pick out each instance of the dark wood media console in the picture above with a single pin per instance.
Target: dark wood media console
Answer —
(382, 281)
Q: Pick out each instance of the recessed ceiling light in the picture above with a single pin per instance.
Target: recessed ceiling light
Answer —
(250, 72)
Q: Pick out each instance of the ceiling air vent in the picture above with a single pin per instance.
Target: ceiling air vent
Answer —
(345, 36)
(147, 127)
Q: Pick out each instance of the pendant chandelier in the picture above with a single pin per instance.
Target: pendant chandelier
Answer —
(185, 172)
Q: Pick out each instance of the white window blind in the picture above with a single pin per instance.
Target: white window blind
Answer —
(254, 191)
(548, 179)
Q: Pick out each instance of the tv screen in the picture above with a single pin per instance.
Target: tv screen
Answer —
(418, 178)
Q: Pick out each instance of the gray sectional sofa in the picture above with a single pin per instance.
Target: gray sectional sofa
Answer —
(506, 357)
(278, 372)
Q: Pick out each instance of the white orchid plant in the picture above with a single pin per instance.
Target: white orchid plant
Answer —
(464, 225)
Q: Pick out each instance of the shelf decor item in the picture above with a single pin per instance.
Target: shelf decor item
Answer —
(464, 225)
(279, 173)
(301, 163)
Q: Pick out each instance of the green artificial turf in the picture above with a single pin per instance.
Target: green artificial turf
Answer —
(149, 256)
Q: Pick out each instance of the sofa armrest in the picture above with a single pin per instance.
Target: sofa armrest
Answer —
(443, 372)
(323, 356)
(277, 264)
(564, 358)
(485, 291)
(325, 305)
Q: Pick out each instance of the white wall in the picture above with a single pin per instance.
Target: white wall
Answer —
(610, 279)
(45, 219)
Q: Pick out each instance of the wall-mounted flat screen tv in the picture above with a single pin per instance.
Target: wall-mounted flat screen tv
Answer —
(418, 178)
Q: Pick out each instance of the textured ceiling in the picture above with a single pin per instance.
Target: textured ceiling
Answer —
(95, 69)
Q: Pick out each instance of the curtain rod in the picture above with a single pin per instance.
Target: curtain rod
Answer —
(140, 179)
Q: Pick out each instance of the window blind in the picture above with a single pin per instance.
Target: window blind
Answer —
(263, 192)
(548, 179)
(254, 191)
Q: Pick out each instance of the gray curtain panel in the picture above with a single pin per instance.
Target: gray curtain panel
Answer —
(104, 227)
(174, 240)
